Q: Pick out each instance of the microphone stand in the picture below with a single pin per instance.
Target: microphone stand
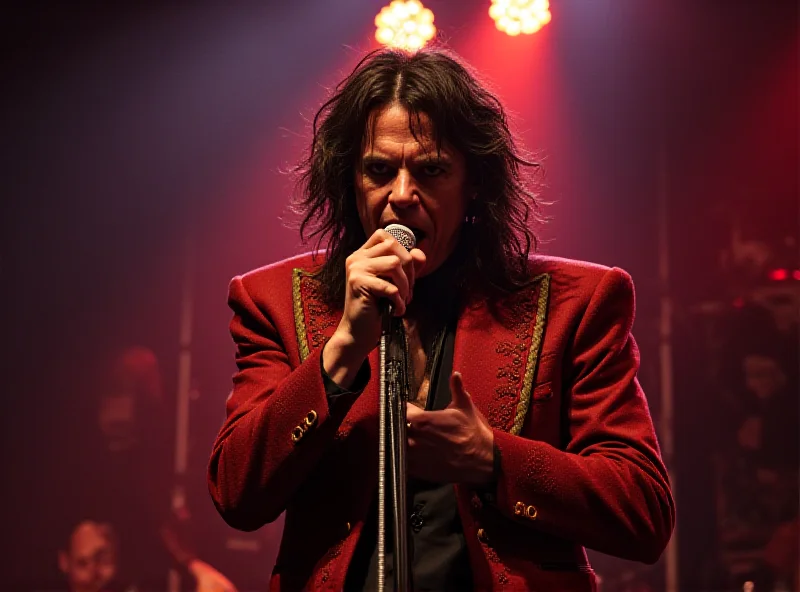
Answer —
(392, 423)
(392, 411)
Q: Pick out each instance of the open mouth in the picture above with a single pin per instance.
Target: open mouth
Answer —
(418, 234)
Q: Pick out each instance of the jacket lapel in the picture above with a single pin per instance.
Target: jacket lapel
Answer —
(497, 349)
(314, 320)
(497, 352)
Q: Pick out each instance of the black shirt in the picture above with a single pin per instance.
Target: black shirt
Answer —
(439, 559)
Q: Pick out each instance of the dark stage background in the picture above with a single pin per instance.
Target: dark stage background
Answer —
(131, 129)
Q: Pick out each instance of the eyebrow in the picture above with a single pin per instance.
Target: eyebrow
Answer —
(426, 158)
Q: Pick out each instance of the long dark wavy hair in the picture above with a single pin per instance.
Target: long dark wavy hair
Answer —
(498, 235)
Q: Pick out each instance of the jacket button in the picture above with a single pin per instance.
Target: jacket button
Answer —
(297, 434)
(531, 512)
(482, 537)
(519, 508)
(311, 418)
(347, 525)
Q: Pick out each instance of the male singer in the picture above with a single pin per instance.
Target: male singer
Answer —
(529, 436)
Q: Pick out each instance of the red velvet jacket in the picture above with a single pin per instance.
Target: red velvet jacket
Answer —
(554, 371)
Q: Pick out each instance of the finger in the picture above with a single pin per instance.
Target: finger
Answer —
(419, 260)
(377, 237)
(408, 270)
(389, 235)
(414, 414)
(459, 396)
(376, 288)
(400, 251)
(385, 247)
(388, 243)
(407, 265)
(391, 247)
(407, 260)
(413, 269)
(388, 267)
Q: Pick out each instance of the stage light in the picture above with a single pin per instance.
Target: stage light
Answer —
(520, 16)
(779, 275)
(408, 25)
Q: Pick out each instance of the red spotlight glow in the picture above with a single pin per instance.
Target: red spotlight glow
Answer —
(778, 275)
(796, 274)
(520, 16)
(407, 25)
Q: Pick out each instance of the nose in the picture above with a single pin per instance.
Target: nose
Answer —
(404, 192)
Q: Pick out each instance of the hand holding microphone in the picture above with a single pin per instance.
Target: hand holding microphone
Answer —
(382, 269)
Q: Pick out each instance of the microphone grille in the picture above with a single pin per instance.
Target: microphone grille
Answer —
(402, 235)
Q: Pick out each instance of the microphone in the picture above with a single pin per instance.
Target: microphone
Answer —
(403, 235)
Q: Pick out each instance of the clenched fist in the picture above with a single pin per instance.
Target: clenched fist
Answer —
(380, 270)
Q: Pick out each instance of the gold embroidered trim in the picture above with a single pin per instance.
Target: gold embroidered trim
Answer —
(533, 354)
(299, 315)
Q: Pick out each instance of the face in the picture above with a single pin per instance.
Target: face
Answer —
(405, 181)
(763, 376)
(90, 562)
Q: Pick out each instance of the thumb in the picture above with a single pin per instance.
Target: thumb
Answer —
(419, 259)
(460, 398)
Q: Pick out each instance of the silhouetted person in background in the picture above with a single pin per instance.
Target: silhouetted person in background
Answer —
(126, 476)
(757, 456)
(89, 558)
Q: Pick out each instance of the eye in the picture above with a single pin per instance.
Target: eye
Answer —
(432, 170)
(378, 169)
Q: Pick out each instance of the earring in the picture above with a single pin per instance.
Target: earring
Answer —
(470, 217)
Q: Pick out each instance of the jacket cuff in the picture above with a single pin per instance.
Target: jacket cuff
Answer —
(488, 492)
(333, 391)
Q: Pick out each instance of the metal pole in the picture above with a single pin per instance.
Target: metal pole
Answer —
(665, 354)
(392, 425)
(382, 411)
(185, 361)
(398, 463)
(183, 395)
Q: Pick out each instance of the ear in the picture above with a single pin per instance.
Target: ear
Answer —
(63, 561)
